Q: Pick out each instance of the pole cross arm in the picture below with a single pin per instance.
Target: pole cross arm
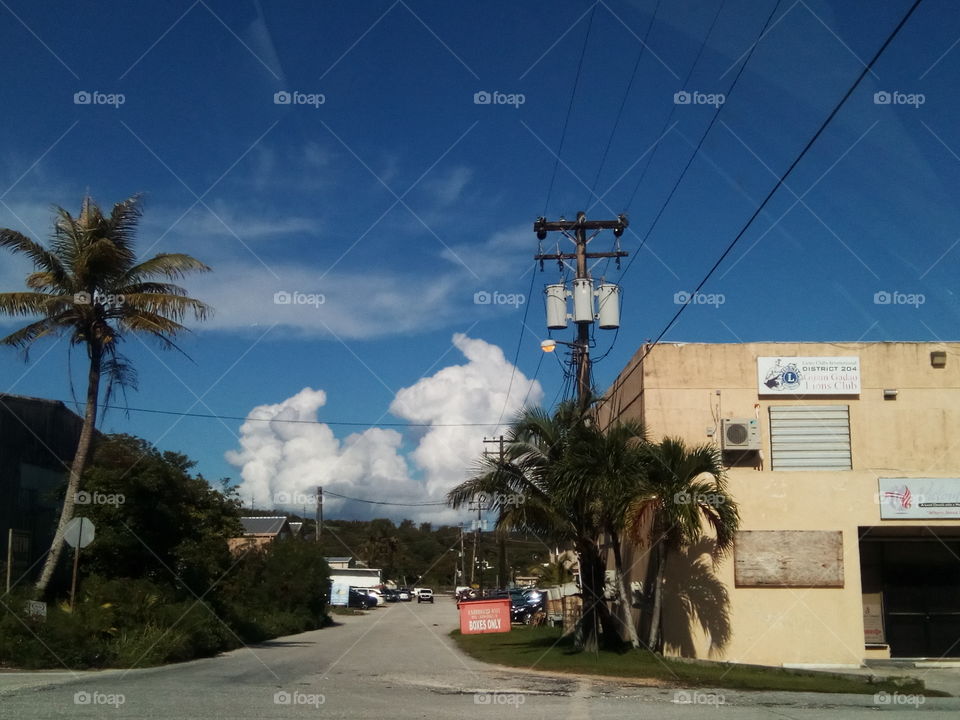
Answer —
(581, 223)
(573, 256)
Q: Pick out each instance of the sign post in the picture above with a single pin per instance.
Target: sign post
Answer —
(78, 534)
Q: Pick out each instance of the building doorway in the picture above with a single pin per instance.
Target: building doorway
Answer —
(918, 578)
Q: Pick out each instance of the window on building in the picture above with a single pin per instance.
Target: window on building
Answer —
(810, 437)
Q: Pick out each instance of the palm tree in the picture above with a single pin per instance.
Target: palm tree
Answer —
(88, 285)
(685, 487)
(534, 488)
(611, 466)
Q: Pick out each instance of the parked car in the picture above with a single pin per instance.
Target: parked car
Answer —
(405, 594)
(524, 604)
(425, 595)
(391, 595)
(359, 599)
(375, 594)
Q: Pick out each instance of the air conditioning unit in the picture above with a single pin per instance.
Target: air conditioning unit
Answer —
(740, 434)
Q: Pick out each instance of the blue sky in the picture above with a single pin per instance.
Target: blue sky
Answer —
(399, 197)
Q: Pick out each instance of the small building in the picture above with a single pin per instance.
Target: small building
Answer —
(362, 578)
(339, 563)
(844, 462)
(38, 438)
(260, 531)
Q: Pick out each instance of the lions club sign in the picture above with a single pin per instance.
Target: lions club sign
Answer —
(808, 375)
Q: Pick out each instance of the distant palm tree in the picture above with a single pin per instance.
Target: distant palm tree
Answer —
(88, 285)
(685, 489)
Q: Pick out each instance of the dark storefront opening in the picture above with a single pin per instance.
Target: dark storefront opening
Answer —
(917, 574)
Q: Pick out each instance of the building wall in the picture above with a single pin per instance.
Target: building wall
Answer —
(674, 393)
(37, 441)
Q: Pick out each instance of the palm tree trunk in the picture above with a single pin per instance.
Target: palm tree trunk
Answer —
(587, 637)
(76, 467)
(625, 594)
(656, 619)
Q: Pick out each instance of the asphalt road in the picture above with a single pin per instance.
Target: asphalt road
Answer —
(396, 662)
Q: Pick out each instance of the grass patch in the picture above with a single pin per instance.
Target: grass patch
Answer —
(541, 648)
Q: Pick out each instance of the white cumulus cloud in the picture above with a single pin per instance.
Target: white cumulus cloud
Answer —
(286, 451)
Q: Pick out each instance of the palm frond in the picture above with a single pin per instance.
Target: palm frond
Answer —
(172, 307)
(174, 266)
(23, 338)
(42, 258)
(19, 304)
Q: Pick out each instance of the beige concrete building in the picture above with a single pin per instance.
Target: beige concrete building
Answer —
(844, 459)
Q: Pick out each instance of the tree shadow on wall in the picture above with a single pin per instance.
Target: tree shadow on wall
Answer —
(693, 596)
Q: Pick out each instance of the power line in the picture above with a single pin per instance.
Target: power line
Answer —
(566, 120)
(516, 355)
(623, 101)
(381, 502)
(836, 109)
(673, 108)
(216, 416)
(696, 150)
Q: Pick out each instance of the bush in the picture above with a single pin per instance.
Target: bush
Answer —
(138, 622)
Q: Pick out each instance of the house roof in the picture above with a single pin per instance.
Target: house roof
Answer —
(270, 525)
(338, 559)
(295, 527)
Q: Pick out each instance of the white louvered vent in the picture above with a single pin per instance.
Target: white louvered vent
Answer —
(810, 437)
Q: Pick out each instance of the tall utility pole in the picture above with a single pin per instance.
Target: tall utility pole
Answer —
(576, 230)
(319, 517)
(502, 574)
(478, 506)
(463, 559)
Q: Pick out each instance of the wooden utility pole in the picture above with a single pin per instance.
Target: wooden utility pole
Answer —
(319, 518)
(576, 230)
(476, 537)
(502, 574)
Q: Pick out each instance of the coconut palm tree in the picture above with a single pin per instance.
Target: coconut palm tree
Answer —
(685, 490)
(88, 285)
(533, 488)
